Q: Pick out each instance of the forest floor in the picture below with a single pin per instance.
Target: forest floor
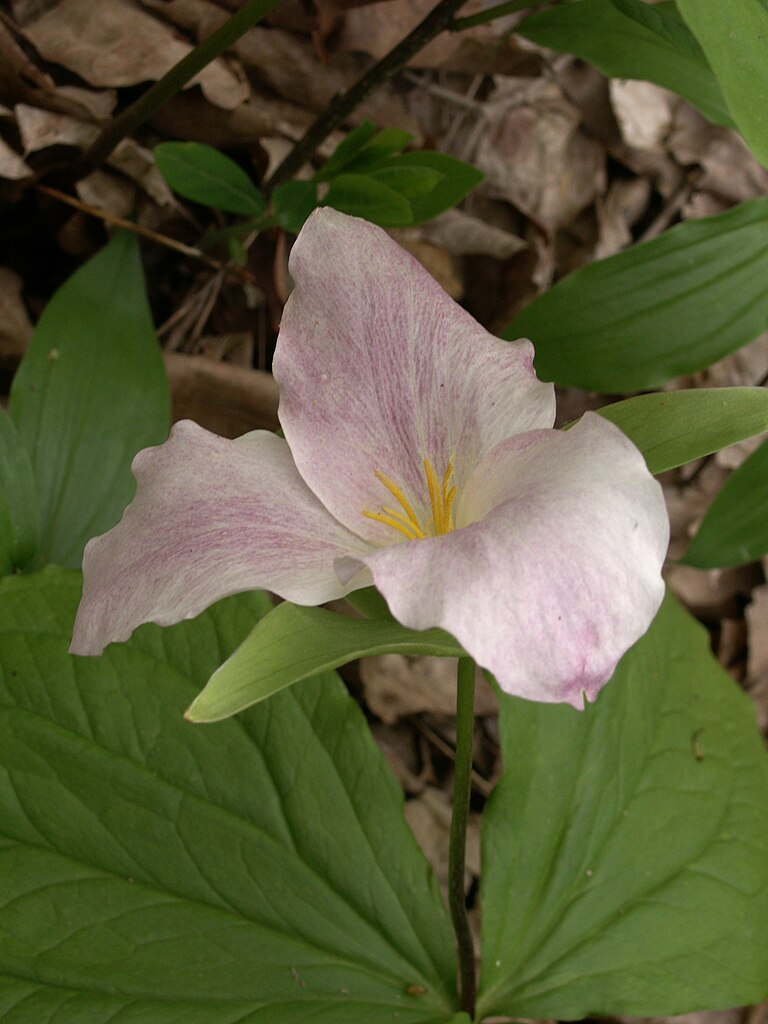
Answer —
(576, 167)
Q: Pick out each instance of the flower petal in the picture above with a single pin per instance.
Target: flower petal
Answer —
(560, 577)
(379, 369)
(211, 517)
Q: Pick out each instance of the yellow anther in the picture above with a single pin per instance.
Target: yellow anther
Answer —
(441, 498)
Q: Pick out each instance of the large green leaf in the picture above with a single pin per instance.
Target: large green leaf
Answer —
(204, 175)
(735, 529)
(19, 527)
(625, 847)
(254, 872)
(734, 36)
(648, 46)
(666, 307)
(674, 427)
(292, 643)
(90, 392)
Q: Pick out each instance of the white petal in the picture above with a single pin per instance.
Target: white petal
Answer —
(379, 369)
(211, 517)
(560, 576)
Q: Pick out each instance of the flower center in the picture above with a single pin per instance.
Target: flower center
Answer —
(405, 520)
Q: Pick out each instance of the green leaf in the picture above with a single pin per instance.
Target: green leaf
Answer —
(625, 847)
(346, 150)
(293, 202)
(735, 529)
(663, 19)
(19, 516)
(90, 393)
(254, 872)
(362, 150)
(734, 36)
(649, 47)
(292, 643)
(410, 182)
(663, 308)
(362, 196)
(458, 180)
(674, 427)
(206, 176)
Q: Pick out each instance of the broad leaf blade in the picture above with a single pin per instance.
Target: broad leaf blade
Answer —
(625, 848)
(257, 871)
(733, 35)
(626, 47)
(735, 529)
(363, 196)
(206, 176)
(293, 643)
(19, 525)
(90, 393)
(458, 180)
(667, 307)
(674, 427)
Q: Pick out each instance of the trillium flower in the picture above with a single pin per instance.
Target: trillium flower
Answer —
(419, 455)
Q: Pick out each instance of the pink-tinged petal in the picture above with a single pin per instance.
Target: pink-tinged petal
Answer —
(560, 577)
(379, 369)
(211, 517)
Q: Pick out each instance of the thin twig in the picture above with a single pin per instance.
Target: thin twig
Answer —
(342, 106)
(172, 83)
(155, 236)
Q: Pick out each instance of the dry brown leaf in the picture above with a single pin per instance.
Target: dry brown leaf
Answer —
(12, 166)
(224, 398)
(618, 212)
(644, 112)
(534, 156)
(460, 234)
(429, 816)
(396, 685)
(105, 191)
(115, 43)
(15, 325)
(731, 174)
(757, 624)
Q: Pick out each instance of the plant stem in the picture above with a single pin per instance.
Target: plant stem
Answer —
(499, 11)
(172, 82)
(462, 786)
(342, 106)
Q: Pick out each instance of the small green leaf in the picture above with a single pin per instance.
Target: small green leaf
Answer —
(206, 176)
(293, 643)
(459, 178)
(674, 427)
(293, 202)
(734, 36)
(625, 849)
(19, 515)
(89, 394)
(667, 307)
(652, 47)
(410, 182)
(735, 529)
(362, 196)
(258, 871)
(353, 157)
(346, 150)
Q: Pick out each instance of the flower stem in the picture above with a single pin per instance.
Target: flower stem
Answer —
(462, 785)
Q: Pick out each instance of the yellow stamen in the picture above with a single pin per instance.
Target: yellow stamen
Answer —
(398, 495)
(441, 499)
(389, 521)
